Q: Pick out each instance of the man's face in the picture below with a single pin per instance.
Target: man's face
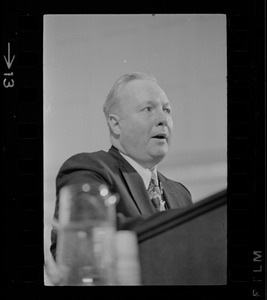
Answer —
(146, 123)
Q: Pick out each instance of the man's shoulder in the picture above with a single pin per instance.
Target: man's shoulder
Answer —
(90, 157)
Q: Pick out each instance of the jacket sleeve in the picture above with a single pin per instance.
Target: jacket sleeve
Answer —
(80, 168)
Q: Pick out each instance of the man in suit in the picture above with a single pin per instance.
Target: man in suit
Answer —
(138, 115)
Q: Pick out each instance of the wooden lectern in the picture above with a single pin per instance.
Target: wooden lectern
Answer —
(186, 246)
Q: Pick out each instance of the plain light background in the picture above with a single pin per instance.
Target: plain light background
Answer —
(85, 54)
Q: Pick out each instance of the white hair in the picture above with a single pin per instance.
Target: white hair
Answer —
(113, 99)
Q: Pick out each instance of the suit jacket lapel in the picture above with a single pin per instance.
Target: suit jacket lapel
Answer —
(138, 191)
(169, 192)
(135, 184)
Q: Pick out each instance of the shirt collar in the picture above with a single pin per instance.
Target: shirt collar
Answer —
(143, 172)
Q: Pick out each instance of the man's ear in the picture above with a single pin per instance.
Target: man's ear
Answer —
(114, 123)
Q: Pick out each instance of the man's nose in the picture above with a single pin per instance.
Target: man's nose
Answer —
(162, 119)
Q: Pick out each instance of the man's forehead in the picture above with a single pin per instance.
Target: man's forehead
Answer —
(143, 90)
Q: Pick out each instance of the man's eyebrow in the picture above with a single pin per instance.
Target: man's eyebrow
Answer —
(148, 102)
(167, 104)
(154, 102)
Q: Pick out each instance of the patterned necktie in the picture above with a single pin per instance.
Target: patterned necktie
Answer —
(155, 194)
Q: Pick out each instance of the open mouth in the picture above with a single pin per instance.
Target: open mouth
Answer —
(160, 136)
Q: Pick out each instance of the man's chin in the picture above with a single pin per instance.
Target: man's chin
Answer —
(159, 154)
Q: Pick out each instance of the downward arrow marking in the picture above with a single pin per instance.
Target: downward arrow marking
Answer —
(7, 60)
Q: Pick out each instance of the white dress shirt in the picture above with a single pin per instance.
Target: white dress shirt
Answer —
(143, 172)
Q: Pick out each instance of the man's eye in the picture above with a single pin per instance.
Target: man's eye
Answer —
(148, 108)
(168, 110)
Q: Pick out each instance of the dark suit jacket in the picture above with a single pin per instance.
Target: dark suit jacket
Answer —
(110, 168)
